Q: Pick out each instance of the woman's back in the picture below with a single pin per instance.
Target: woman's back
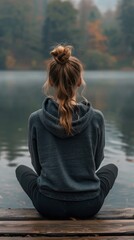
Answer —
(67, 163)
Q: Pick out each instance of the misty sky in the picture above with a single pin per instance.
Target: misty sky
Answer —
(104, 4)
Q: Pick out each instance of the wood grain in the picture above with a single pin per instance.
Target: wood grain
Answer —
(32, 214)
(19, 214)
(68, 228)
(19, 224)
(125, 213)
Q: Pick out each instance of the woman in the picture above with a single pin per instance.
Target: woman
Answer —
(66, 144)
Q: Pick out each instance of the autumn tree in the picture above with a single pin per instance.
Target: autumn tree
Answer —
(97, 40)
(97, 56)
(88, 12)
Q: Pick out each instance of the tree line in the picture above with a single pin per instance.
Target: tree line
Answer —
(101, 41)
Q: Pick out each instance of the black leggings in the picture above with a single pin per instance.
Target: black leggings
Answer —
(59, 209)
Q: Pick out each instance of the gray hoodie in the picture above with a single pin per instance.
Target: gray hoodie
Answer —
(66, 165)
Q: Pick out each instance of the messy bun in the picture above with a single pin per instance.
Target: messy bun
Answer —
(62, 53)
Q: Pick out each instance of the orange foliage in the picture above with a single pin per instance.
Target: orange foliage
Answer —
(97, 40)
(10, 62)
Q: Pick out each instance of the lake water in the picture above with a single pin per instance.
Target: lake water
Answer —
(111, 92)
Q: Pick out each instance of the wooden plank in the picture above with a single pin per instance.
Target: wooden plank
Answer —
(68, 228)
(19, 214)
(125, 213)
(70, 238)
(32, 214)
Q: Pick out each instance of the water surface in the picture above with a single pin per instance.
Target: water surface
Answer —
(111, 92)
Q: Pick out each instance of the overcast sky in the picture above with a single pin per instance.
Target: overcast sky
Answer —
(104, 4)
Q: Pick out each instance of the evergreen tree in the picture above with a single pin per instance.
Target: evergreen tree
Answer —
(13, 28)
(60, 25)
(126, 17)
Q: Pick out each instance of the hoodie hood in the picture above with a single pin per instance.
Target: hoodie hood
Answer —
(49, 116)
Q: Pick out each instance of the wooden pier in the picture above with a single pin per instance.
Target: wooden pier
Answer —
(19, 224)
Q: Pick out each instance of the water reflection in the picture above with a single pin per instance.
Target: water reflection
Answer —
(127, 123)
(116, 102)
(17, 101)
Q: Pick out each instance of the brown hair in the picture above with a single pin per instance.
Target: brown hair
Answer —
(65, 75)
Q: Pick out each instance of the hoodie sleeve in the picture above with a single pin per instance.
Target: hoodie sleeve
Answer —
(99, 155)
(32, 145)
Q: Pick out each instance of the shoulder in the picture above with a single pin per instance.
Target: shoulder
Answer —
(98, 117)
(34, 117)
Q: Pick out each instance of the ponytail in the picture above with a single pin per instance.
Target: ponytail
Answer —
(65, 76)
